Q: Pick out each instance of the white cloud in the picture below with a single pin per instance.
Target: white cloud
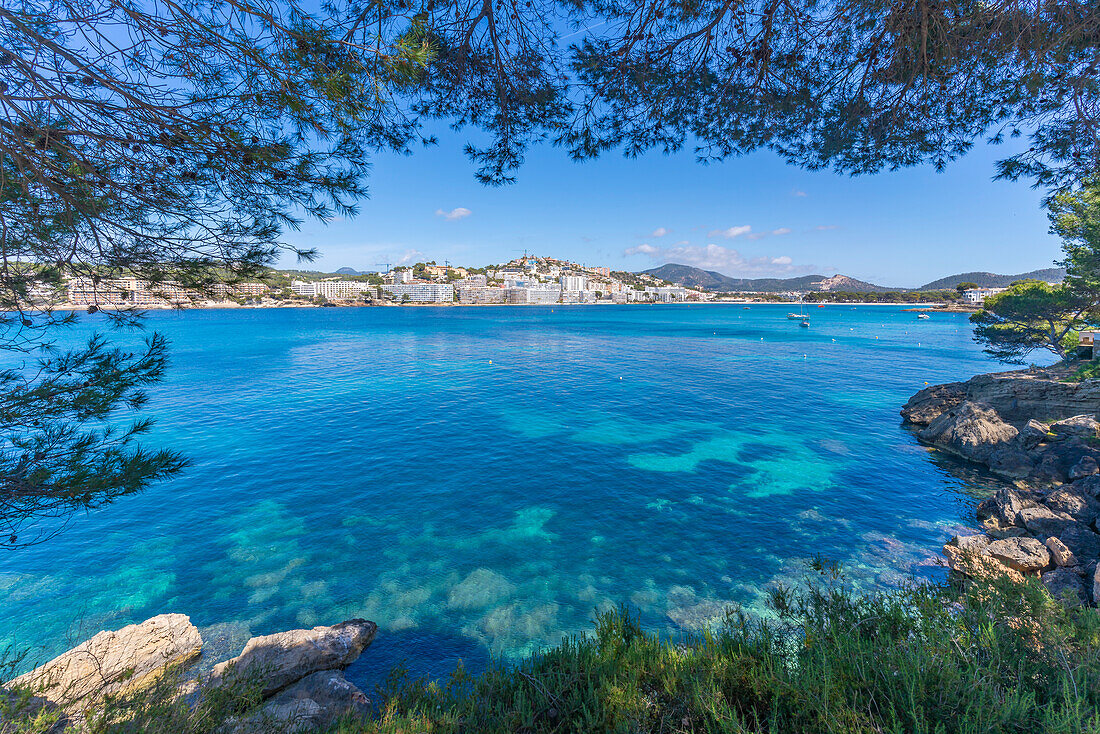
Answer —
(454, 214)
(730, 233)
(823, 227)
(409, 256)
(717, 257)
(796, 192)
(659, 232)
(772, 233)
(683, 242)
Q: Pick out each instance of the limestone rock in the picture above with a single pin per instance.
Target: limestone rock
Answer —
(1065, 585)
(1032, 434)
(1085, 467)
(1009, 461)
(1084, 543)
(285, 657)
(115, 662)
(1020, 395)
(931, 402)
(966, 555)
(1020, 554)
(309, 705)
(1005, 505)
(1061, 554)
(1089, 487)
(971, 430)
(1080, 426)
(1044, 522)
(1076, 504)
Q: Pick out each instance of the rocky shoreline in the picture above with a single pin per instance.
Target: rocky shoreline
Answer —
(297, 676)
(1040, 433)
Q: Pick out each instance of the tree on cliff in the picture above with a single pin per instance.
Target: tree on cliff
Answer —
(1028, 316)
(176, 141)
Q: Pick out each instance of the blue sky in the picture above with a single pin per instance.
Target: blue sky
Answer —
(750, 217)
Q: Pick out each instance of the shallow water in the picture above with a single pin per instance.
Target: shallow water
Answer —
(479, 480)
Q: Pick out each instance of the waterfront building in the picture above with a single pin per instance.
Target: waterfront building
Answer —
(544, 293)
(977, 296)
(422, 292)
(480, 294)
(515, 295)
(573, 282)
(667, 294)
(402, 276)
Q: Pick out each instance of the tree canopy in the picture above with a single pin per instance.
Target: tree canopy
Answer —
(177, 140)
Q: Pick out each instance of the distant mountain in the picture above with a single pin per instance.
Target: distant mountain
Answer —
(348, 271)
(710, 280)
(992, 280)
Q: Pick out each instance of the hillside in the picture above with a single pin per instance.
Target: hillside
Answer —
(711, 280)
(993, 280)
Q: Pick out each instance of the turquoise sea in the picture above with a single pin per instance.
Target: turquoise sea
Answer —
(479, 480)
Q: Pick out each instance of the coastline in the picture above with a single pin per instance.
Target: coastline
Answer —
(232, 306)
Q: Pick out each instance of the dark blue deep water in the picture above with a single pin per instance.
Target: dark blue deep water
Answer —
(479, 480)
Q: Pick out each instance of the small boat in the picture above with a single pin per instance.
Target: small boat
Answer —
(923, 316)
(805, 323)
(796, 316)
(801, 313)
(821, 305)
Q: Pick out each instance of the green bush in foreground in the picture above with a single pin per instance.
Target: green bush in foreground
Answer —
(994, 657)
(1000, 658)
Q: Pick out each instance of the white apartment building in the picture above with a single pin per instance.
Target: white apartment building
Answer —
(480, 294)
(667, 294)
(544, 293)
(573, 282)
(977, 296)
(422, 292)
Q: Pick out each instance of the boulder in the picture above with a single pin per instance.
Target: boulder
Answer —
(1089, 487)
(970, 430)
(113, 663)
(1071, 502)
(1085, 467)
(966, 555)
(1010, 461)
(1005, 505)
(1061, 554)
(1044, 522)
(1079, 426)
(1020, 554)
(1066, 586)
(285, 657)
(1032, 434)
(1084, 543)
(311, 704)
(1049, 468)
(931, 402)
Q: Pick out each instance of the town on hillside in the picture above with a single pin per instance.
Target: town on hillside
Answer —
(524, 280)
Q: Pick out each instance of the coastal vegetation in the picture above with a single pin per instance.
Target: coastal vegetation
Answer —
(995, 655)
(1033, 315)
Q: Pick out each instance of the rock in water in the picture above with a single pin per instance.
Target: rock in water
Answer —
(1020, 554)
(931, 402)
(115, 662)
(972, 431)
(285, 657)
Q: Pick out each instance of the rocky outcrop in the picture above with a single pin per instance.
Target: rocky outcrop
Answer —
(113, 663)
(1021, 395)
(308, 705)
(931, 402)
(1043, 435)
(298, 674)
(971, 430)
(285, 657)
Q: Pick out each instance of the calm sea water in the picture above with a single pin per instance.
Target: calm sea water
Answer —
(479, 480)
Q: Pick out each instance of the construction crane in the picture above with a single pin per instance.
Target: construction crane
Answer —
(386, 264)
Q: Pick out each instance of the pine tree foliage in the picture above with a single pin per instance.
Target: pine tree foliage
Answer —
(176, 141)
